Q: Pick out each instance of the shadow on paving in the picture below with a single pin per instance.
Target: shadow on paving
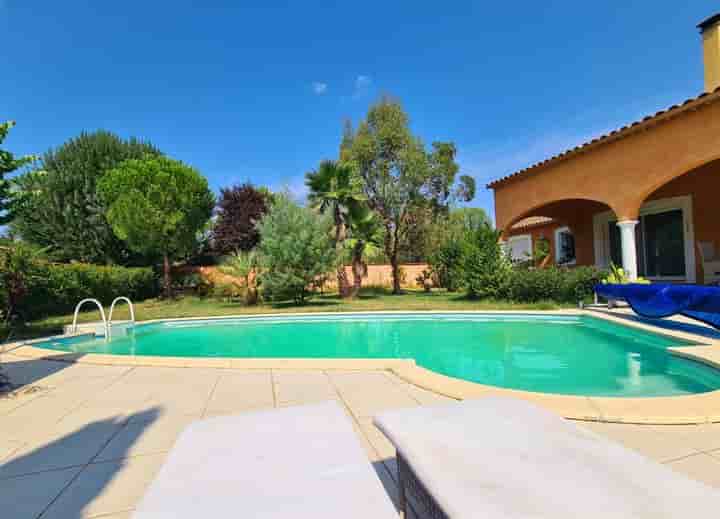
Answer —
(78, 449)
(23, 374)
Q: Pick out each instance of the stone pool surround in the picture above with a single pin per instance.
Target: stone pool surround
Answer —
(674, 410)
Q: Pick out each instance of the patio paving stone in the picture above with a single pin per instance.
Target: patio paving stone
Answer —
(26, 497)
(105, 488)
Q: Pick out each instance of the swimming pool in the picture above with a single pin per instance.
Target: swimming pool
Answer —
(574, 355)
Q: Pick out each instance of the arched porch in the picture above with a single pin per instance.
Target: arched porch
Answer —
(646, 197)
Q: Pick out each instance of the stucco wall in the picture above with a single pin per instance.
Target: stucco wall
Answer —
(621, 173)
(702, 184)
(377, 275)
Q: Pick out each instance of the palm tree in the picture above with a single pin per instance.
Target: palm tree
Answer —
(366, 238)
(335, 188)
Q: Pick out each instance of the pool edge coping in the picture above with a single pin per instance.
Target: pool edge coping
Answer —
(672, 410)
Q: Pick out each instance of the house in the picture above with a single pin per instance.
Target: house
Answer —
(645, 196)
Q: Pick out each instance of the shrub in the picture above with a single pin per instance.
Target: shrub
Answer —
(552, 284)
(296, 249)
(57, 288)
(447, 263)
(486, 269)
(425, 280)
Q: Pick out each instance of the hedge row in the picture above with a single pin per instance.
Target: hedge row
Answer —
(56, 288)
(524, 285)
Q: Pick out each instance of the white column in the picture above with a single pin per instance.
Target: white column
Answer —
(629, 249)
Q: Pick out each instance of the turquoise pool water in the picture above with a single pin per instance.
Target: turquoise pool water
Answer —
(575, 355)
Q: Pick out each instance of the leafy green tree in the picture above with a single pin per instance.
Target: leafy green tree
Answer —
(469, 218)
(336, 190)
(399, 175)
(157, 206)
(60, 209)
(8, 164)
(296, 248)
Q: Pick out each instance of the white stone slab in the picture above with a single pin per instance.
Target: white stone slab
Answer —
(503, 458)
(299, 462)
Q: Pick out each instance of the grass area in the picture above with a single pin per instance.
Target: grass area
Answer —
(370, 299)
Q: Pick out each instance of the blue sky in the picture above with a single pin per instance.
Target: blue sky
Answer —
(259, 92)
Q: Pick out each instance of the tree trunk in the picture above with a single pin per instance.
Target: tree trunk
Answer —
(358, 269)
(391, 249)
(342, 279)
(166, 276)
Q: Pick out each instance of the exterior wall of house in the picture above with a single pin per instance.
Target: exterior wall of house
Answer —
(620, 174)
(701, 184)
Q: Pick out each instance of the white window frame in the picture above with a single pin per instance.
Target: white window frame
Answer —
(601, 237)
(558, 232)
(517, 238)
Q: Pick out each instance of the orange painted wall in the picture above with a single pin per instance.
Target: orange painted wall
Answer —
(621, 173)
(702, 184)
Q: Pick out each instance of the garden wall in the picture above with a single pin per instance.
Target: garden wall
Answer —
(377, 275)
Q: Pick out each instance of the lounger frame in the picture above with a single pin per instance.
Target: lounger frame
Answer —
(408, 482)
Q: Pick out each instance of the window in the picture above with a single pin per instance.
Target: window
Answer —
(520, 247)
(564, 247)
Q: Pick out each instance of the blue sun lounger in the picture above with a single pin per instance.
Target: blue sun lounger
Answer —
(662, 300)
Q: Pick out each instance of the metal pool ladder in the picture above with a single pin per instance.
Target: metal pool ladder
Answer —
(102, 314)
(106, 323)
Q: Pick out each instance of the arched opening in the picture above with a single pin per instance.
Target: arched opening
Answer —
(679, 228)
(561, 232)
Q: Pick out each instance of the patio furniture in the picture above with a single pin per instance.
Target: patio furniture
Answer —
(710, 262)
(296, 462)
(659, 300)
(502, 458)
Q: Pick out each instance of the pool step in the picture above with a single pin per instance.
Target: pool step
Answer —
(117, 328)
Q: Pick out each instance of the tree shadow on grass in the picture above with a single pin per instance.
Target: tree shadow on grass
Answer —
(65, 475)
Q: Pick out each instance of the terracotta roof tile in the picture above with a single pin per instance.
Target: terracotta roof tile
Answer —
(702, 99)
(532, 221)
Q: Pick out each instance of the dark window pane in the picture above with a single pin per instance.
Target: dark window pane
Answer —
(615, 245)
(664, 244)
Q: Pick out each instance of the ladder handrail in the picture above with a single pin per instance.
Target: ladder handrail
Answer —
(112, 307)
(102, 313)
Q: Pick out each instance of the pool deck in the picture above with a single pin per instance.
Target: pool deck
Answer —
(676, 410)
(85, 440)
(84, 435)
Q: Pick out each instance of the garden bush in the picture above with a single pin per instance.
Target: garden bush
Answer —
(486, 269)
(296, 251)
(56, 288)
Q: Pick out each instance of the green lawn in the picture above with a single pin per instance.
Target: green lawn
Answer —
(192, 306)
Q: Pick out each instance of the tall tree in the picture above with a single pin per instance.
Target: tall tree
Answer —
(60, 209)
(336, 190)
(157, 206)
(399, 175)
(8, 164)
(239, 210)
